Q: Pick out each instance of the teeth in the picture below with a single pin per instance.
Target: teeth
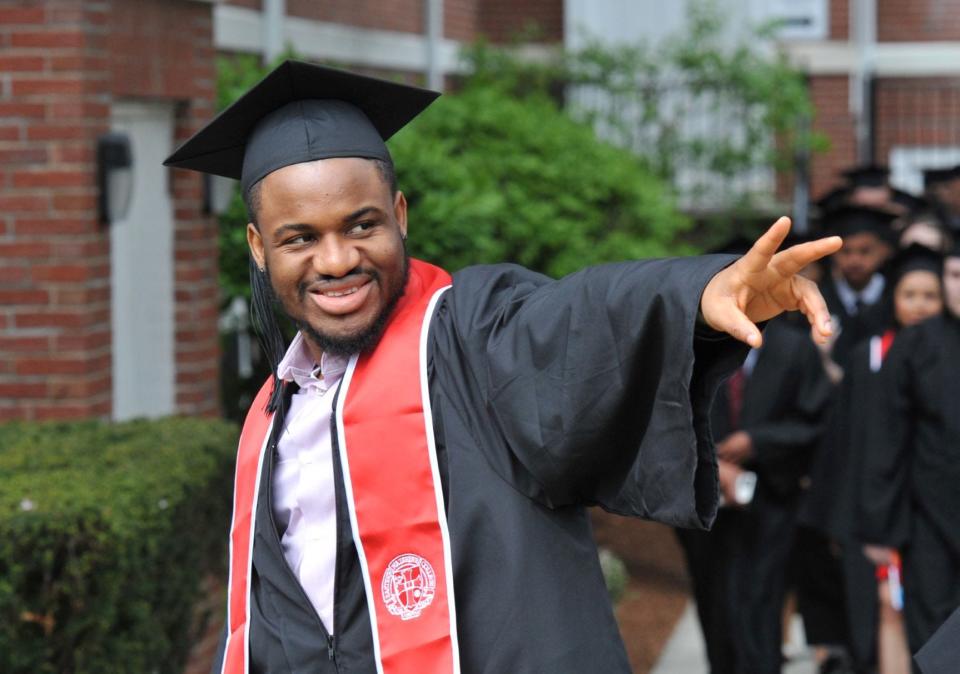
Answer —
(335, 293)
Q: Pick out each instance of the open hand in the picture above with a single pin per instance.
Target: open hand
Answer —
(764, 283)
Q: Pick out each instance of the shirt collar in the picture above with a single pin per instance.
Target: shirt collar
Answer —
(299, 367)
(869, 295)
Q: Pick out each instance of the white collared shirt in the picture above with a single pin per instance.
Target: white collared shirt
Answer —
(869, 295)
(304, 497)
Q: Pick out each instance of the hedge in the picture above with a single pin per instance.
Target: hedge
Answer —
(106, 531)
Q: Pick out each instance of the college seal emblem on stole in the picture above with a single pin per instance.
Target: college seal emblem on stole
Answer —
(408, 586)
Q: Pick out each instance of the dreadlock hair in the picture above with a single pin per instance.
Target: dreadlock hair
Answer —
(268, 331)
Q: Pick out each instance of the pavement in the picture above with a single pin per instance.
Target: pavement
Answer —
(685, 654)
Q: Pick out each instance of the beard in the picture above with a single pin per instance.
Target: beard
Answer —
(362, 340)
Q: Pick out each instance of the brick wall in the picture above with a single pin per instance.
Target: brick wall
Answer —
(830, 96)
(502, 20)
(839, 19)
(405, 16)
(62, 63)
(918, 20)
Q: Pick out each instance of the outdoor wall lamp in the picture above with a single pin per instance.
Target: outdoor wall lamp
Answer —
(217, 193)
(114, 176)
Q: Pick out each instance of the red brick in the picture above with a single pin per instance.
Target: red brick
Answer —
(74, 153)
(83, 110)
(53, 39)
(8, 132)
(23, 344)
(19, 110)
(78, 389)
(24, 225)
(74, 202)
(21, 15)
(21, 63)
(52, 179)
(47, 86)
(82, 342)
(13, 274)
(23, 297)
(53, 319)
(64, 412)
(23, 202)
(22, 155)
(59, 132)
(61, 272)
(21, 389)
(44, 366)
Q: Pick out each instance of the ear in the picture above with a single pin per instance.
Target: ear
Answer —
(400, 212)
(255, 242)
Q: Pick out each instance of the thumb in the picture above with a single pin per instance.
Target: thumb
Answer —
(736, 324)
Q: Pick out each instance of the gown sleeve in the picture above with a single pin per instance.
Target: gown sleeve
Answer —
(781, 439)
(595, 388)
(883, 504)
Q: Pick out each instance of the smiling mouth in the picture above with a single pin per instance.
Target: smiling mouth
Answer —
(340, 293)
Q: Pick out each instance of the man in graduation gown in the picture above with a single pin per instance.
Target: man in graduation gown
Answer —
(909, 498)
(767, 419)
(856, 291)
(411, 486)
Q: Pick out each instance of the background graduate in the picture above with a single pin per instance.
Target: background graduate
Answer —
(411, 484)
(909, 500)
(916, 295)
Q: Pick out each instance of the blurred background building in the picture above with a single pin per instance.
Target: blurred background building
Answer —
(109, 290)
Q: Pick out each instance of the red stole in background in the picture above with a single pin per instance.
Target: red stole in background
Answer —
(388, 456)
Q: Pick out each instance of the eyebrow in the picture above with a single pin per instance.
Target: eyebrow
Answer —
(299, 227)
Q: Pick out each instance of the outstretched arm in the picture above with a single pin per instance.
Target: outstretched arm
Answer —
(764, 283)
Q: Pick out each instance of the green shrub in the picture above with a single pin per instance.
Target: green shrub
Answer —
(105, 533)
(493, 178)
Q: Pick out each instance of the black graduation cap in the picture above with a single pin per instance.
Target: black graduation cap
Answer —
(867, 175)
(910, 202)
(850, 219)
(833, 199)
(915, 258)
(932, 176)
(301, 112)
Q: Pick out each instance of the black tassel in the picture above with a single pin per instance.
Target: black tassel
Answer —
(264, 320)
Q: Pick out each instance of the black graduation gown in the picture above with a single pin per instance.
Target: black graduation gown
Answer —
(910, 498)
(738, 569)
(855, 327)
(547, 396)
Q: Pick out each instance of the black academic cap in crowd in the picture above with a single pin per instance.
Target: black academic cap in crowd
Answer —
(848, 220)
(915, 258)
(833, 199)
(933, 176)
(301, 112)
(867, 175)
(910, 202)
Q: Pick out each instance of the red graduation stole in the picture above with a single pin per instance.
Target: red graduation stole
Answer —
(388, 457)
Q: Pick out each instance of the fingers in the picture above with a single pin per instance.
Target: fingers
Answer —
(814, 307)
(790, 261)
(736, 324)
(759, 256)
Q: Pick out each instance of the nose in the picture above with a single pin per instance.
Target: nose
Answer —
(335, 257)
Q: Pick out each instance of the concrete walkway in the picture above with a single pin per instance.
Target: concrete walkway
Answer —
(685, 654)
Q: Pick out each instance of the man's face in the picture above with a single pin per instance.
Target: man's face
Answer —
(951, 285)
(331, 238)
(861, 256)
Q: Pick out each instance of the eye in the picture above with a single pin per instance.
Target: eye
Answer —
(361, 227)
(299, 239)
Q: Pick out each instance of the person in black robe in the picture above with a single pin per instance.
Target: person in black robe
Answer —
(547, 395)
(856, 291)
(768, 418)
(915, 296)
(909, 499)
